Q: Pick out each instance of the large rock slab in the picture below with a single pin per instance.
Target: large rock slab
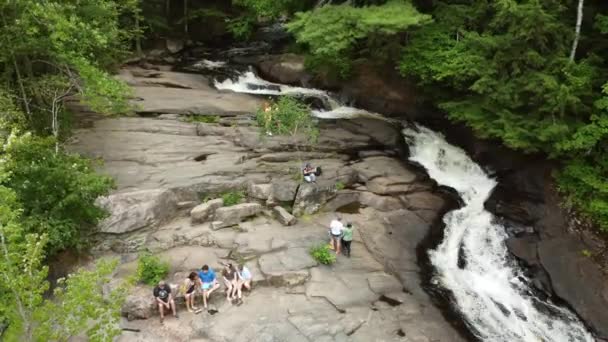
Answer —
(565, 263)
(311, 197)
(283, 216)
(130, 211)
(259, 191)
(139, 304)
(193, 101)
(229, 216)
(204, 211)
(287, 69)
(284, 191)
(287, 268)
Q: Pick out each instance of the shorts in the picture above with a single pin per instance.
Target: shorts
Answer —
(206, 286)
(336, 236)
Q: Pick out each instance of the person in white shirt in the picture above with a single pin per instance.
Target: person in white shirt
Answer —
(335, 229)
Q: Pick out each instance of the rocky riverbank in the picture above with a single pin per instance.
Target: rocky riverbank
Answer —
(165, 166)
(526, 197)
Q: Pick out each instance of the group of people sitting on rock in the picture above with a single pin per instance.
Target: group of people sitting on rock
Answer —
(204, 282)
(341, 236)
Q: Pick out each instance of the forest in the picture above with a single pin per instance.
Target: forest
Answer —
(530, 73)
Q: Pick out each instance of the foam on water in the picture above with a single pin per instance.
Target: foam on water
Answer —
(250, 83)
(487, 290)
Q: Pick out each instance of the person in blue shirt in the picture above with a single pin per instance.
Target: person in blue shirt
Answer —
(209, 283)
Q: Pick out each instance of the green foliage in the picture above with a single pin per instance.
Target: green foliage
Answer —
(289, 117)
(78, 305)
(231, 198)
(150, 269)
(335, 33)
(56, 191)
(210, 119)
(272, 8)
(241, 27)
(323, 254)
(502, 68)
(340, 185)
(586, 253)
(60, 49)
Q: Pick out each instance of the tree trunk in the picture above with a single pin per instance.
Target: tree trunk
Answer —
(186, 17)
(168, 12)
(138, 36)
(577, 31)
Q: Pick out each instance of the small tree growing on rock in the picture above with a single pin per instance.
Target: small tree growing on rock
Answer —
(288, 117)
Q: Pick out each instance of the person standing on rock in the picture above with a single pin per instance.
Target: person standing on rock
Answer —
(164, 299)
(347, 238)
(335, 229)
(208, 283)
(190, 285)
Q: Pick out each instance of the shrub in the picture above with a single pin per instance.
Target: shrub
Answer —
(203, 118)
(340, 185)
(56, 190)
(288, 117)
(322, 254)
(150, 269)
(232, 197)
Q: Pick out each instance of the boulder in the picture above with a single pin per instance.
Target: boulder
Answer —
(524, 248)
(288, 69)
(284, 191)
(229, 216)
(391, 185)
(311, 197)
(174, 45)
(135, 210)
(259, 191)
(283, 216)
(204, 211)
(139, 304)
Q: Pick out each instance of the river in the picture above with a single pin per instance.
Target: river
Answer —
(486, 286)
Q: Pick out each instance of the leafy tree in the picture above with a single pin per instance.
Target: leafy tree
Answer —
(334, 33)
(78, 306)
(150, 269)
(57, 191)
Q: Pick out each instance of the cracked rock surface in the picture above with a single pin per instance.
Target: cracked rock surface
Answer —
(166, 168)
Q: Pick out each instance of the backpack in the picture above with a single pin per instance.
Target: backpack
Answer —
(318, 172)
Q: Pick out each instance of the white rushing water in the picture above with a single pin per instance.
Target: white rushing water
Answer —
(487, 290)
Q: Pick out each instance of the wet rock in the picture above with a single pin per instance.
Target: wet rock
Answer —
(204, 211)
(130, 211)
(174, 45)
(229, 216)
(566, 265)
(524, 248)
(311, 197)
(283, 216)
(342, 198)
(259, 191)
(288, 69)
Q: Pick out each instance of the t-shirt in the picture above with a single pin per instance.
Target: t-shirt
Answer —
(348, 234)
(208, 277)
(162, 292)
(245, 273)
(336, 227)
(229, 274)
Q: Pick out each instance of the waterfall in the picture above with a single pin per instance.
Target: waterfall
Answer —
(489, 290)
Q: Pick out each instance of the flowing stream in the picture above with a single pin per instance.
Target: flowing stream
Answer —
(472, 262)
